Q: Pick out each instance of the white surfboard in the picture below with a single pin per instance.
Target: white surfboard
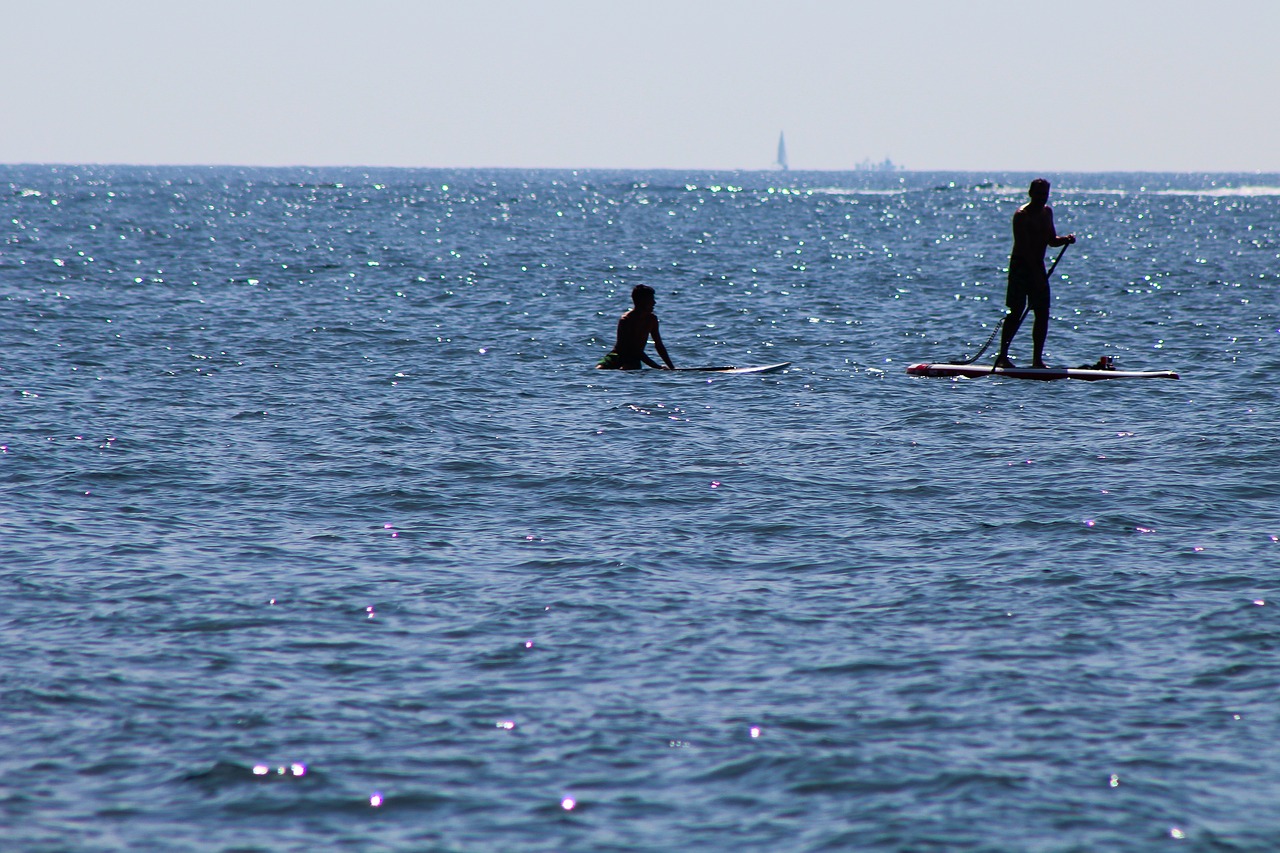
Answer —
(764, 368)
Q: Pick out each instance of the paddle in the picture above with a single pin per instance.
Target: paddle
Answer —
(1054, 265)
(1025, 311)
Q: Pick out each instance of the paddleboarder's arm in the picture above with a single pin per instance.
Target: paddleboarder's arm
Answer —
(658, 345)
(1051, 234)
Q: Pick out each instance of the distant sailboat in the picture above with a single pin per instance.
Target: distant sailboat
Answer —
(782, 151)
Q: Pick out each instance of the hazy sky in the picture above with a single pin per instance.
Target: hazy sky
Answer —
(1175, 85)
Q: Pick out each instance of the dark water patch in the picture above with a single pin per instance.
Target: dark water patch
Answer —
(204, 626)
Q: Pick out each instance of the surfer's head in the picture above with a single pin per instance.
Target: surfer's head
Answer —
(1039, 190)
(642, 296)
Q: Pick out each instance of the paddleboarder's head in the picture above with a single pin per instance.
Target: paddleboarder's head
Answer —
(1039, 190)
(642, 296)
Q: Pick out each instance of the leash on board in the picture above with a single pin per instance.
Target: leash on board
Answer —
(1025, 312)
(994, 332)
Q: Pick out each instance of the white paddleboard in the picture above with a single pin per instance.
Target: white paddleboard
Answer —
(1044, 373)
(764, 368)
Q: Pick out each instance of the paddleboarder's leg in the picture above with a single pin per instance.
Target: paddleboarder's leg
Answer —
(1038, 296)
(1016, 300)
(1011, 322)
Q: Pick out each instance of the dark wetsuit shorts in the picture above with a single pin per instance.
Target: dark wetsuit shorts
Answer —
(616, 361)
(1028, 285)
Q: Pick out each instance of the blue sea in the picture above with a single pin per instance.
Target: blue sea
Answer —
(318, 529)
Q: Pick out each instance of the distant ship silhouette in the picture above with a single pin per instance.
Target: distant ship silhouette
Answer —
(885, 165)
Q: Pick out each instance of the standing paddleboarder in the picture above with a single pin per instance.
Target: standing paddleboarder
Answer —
(634, 329)
(1033, 233)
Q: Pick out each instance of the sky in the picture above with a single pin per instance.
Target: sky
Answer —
(948, 85)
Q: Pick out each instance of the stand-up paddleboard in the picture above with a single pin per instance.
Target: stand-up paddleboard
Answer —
(1045, 373)
(764, 368)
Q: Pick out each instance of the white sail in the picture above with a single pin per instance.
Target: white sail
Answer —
(782, 151)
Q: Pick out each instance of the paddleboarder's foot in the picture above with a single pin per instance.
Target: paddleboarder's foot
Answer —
(1003, 361)
(1040, 365)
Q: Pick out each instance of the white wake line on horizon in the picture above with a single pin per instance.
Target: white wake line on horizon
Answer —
(1231, 192)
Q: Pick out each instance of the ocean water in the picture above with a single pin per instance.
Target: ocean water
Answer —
(319, 531)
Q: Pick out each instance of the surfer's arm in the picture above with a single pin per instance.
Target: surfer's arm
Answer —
(1051, 234)
(658, 345)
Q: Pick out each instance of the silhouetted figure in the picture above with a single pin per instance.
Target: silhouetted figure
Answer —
(634, 329)
(1033, 232)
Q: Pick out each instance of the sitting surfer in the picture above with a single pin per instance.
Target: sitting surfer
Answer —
(634, 330)
(1033, 232)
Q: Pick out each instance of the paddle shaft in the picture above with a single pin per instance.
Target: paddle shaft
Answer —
(1054, 265)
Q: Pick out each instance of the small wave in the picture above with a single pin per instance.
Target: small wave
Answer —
(1261, 191)
(850, 191)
